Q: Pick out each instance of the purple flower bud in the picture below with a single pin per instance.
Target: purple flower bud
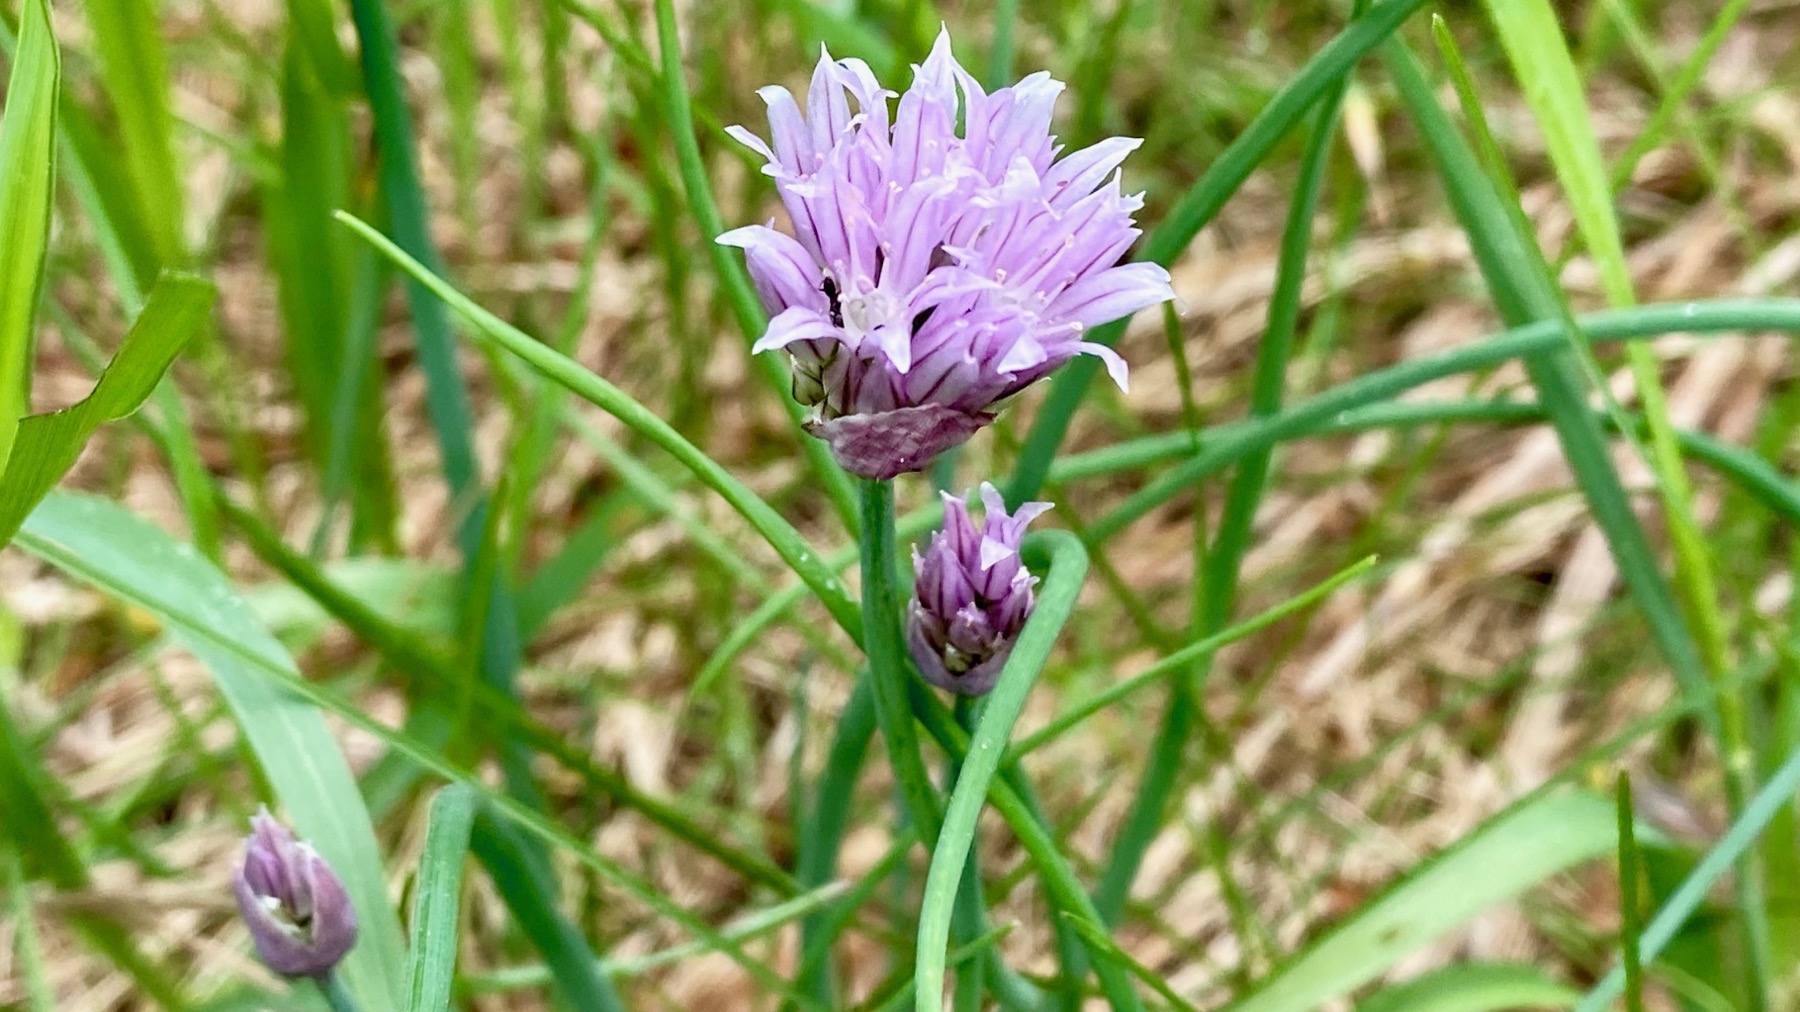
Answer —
(972, 596)
(934, 270)
(298, 913)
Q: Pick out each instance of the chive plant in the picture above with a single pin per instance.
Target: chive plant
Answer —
(955, 259)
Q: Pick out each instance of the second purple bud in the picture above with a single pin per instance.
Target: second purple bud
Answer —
(972, 596)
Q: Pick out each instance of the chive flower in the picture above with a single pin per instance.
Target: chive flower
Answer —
(942, 261)
(299, 916)
(972, 594)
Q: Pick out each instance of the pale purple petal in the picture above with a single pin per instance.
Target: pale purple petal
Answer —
(797, 324)
(785, 275)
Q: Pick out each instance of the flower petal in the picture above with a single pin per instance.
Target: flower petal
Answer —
(1111, 294)
(784, 273)
(796, 324)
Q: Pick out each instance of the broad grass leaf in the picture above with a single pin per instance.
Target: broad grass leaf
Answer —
(48, 444)
(1511, 853)
(27, 178)
(1475, 987)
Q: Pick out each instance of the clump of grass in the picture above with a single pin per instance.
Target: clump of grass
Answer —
(417, 479)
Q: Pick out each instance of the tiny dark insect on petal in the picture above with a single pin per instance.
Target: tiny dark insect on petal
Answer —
(830, 289)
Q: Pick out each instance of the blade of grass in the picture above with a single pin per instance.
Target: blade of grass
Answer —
(1197, 207)
(753, 925)
(822, 836)
(1097, 938)
(523, 883)
(1523, 295)
(1776, 793)
(446, 399)
(1225, 443)
(135, 69)
(561, 370)
(437, 900)
(1517, 849)
(28, 951)
(48, 444)
(101, 542)
(1629, 929)
(1215, 589)
(27, 181)
(1534, 44)
(34, 834)
(1474, 987)
(1066, 571)
(742, 297)
(1072, 717)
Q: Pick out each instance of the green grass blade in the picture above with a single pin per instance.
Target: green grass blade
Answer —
(1775, 794)
(524, 884)
(1523, 292)
(1062, 582)
(27, 179)
(135, 68)
(1534, 44)
(1512, 852)
(103, 544)
(48, 444)
(1097, 939)
(446, 399)
(561, 370)
(437, 901)
(732, 274)
(1629, 929)
(826, 822)
(1197, 207)
(753, 925)
(1226, 443)
(1167, 667)
(1474, 987)
(28, 951)
(34, 833)
(1216, 588)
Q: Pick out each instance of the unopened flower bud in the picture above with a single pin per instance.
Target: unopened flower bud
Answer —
(972, 595)
(296, 908)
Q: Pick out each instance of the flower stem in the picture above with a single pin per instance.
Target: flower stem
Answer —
(336, 994)
(887, 660)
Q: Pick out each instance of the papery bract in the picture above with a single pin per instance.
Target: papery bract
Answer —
(300, 918)
(972, 595)
(941, 261)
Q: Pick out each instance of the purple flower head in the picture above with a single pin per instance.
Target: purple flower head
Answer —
(941, 261)
(299, 916)
(972, 595)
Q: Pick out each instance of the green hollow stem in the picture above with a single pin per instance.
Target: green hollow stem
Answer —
(888, 674)
(1061, 885)
(569, 374)
(823, 835)
(337, 996)
(1055, 602)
